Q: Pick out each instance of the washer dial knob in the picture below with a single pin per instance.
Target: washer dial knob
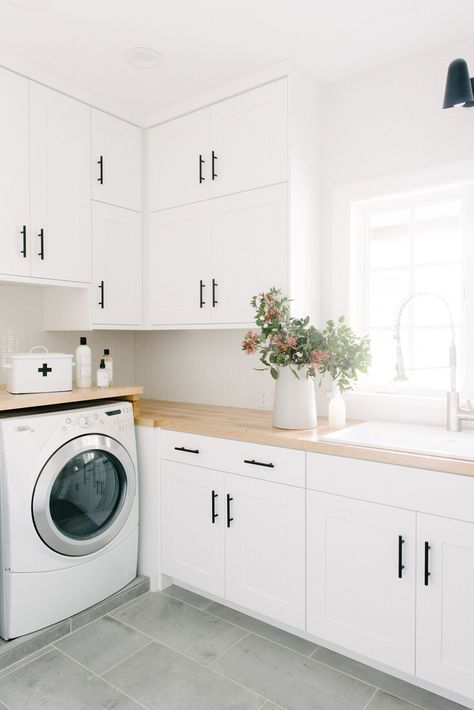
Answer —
(83, 422)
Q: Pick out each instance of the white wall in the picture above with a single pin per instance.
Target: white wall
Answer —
(21, 316)
(201, 366)
(382, 130)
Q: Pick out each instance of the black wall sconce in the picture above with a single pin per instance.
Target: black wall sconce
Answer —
(459, 86)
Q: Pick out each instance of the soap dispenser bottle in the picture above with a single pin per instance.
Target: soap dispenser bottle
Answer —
(83, 364)
(109, 365)
(102, 375)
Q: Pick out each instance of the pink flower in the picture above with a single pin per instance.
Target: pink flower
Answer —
(249, 343)
(271, 314)
(291, 342)
(319, 357)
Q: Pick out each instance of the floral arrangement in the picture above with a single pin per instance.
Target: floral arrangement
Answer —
(284, 341)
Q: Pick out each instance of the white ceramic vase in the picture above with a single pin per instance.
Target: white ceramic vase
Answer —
(295, 401)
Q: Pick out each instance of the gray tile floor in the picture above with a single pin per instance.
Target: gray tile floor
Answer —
(178, 651)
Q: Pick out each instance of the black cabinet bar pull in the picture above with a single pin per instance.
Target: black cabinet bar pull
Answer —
(100, 163)
(101, 289)
(214, 287)
(202, 286)
(427, 562)
(201, 163)
(188, 451)
(213, 170)
(213, 506)
(259, 463)
(23, 237)
(41, 236)
(229, 519)
(401, 566)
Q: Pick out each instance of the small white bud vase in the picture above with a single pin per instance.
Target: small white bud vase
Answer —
(337, 411)
(295, 401)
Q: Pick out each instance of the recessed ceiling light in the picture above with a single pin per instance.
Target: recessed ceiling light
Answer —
(30, 4)
(144, 57)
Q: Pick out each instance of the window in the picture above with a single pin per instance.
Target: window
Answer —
(411, 244)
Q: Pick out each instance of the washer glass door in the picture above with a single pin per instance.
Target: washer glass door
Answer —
(84, 495)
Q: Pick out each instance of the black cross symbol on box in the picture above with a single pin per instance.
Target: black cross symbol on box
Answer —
(45, 369)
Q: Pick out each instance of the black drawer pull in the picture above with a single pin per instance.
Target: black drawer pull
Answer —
(229, 519)
(202, 286)
(102, 296)
(259, 463)
(201, 163)
(213, 171)
(100, 163)
(188, 451)
(427, 563)
(401, 566)
(23, 238)
(214, 515)
(41, 251)
(214, 293)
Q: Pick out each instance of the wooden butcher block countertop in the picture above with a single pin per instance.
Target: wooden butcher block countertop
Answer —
(255, 425)
(10, 402)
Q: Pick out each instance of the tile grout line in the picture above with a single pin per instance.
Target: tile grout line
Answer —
(111, 667)
(5, 672)
(228, 649)
(104, 679)
(370, 699)
(200, 663)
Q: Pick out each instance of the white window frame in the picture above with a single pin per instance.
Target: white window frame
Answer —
(341, 278)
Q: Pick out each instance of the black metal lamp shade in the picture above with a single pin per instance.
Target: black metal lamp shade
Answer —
(458, 85)
(470, 103)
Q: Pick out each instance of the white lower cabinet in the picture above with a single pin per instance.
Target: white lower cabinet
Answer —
(361, 577)
(445, 603)
(238, 537)
(265, 560)
(193, 538)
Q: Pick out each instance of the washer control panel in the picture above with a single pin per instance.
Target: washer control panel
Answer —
(120, 415)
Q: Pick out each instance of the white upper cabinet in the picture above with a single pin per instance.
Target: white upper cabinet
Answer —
(117, 285)
(179, 161)
(249, 248)
(116, 161)
(207, 260)
(178, 266)
(14, 176)
(235, 145)
(445, 616)
(361, 577)
(249, 140)
(60, 186)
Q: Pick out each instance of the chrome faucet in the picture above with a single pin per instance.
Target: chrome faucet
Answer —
(455, 414)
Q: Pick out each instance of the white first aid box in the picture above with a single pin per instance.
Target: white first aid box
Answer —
(39, 372)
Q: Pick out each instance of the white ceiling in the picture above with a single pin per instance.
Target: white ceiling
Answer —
(78, 45)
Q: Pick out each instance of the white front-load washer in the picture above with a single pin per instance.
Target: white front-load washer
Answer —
(69, 512)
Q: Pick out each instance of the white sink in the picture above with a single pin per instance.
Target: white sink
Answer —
(413, 438)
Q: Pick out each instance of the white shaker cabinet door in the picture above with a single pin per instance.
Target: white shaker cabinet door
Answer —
(178, 290)
(445, 608)
(249, 250)
(117, 253)
(60, 186)
(361, 577)
(178, 161)
(116, 161)
(249, 140)
(265, 543)
(192, 508)
(14, 176)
